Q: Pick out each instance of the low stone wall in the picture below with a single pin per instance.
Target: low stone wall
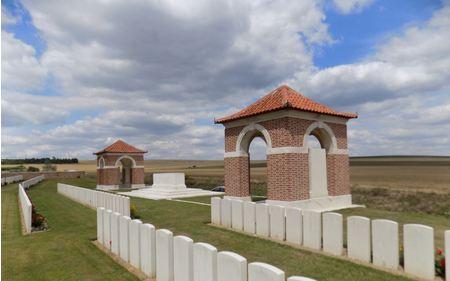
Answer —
(47, 175)
(157, 253)
(368, 241)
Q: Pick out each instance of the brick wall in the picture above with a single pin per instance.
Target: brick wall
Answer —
(287, 177)
(338, 174)
(237, 176)
(137, 175)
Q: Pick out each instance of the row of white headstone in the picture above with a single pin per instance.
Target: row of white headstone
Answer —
(93, 198)
(375, 241)
(157, 253)
(12, 179)
(25, 203)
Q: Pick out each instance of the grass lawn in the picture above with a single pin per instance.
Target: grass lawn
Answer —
(65, 252)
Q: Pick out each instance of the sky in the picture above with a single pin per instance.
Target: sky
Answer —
(77, 75)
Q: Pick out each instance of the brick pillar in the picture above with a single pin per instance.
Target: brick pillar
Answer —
(137, 175)
(237, 176)
(338, 174)
(287, 177)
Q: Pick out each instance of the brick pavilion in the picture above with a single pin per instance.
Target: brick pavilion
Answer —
(120, 165)
(285, 120)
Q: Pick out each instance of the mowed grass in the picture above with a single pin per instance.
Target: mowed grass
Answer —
(64, 252)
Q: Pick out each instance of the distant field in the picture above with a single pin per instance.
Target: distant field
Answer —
(412, 173)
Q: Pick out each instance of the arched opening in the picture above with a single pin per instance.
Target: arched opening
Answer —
(125, 165)
(101, 163)
(257, 155)
(319, 142)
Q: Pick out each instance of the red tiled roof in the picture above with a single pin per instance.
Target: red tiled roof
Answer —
(120, 147)
(284, 97)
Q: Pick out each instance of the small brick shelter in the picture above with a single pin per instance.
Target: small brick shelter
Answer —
(284, 119)
(120, 165)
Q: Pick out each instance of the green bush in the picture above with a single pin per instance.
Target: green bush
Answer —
(133, 212)
(32, 169)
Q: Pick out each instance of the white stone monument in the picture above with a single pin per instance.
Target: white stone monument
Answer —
(169, 186)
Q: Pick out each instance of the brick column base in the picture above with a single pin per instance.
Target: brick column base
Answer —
(237, 176)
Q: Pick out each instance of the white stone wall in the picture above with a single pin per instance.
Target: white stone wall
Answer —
(94, 198)
(156, 253)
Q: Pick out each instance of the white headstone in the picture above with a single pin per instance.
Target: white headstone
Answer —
(447, 255)
(312, 229)
(124, 223)
(126, 206)
(385, 250)
(418, 243)
(237, 215)
(205, 262)
(225, 212)
(250, 217)
(262, 220)
(164, 255)
(135, 255)
(148, 250)
(107, 229)
(258, 271)
(294, 226)
(100, 224)
(115, 242)
(215, 210)
(333, 233)
(358, 238)
(183, 258)
(277, 222)
(231, 267)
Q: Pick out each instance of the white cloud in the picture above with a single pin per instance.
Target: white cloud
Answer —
(20, 68)
(157, 73)
(351, 6)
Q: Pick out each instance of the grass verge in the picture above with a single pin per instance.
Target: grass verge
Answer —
(65, 252)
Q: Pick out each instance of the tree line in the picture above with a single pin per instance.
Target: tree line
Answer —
(45, 160)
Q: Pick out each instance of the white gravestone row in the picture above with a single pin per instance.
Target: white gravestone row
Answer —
(25, 203)
(164, 257)
(375, 241)
(95, 199)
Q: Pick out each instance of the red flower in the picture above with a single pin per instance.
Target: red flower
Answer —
(442, 262)
(439, 251)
